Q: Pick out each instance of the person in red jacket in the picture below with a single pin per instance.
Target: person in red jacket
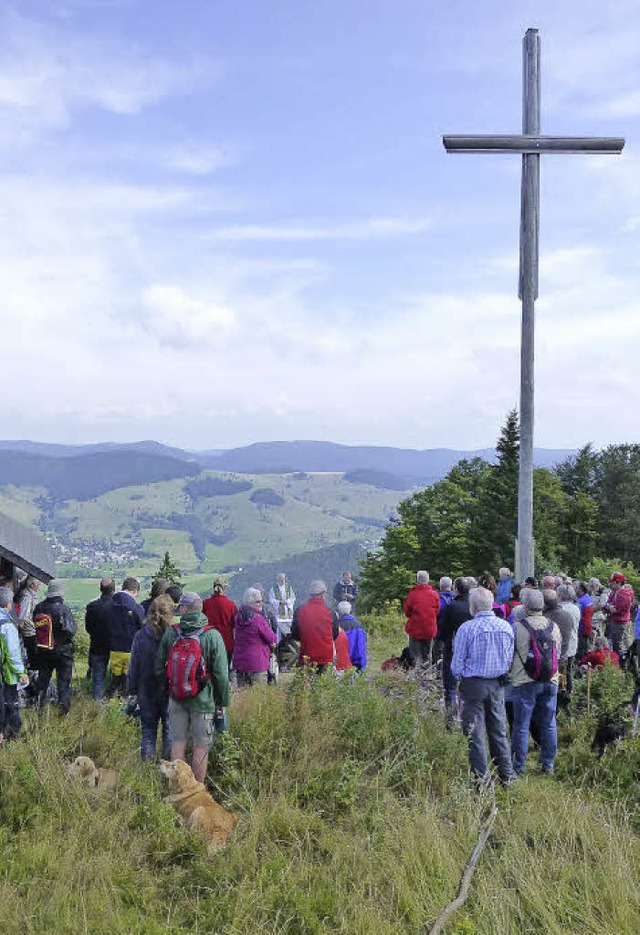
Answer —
(343, 658)
(619, 609)
(421, 609)
(316, 628)
(221, 612)
(599, 656)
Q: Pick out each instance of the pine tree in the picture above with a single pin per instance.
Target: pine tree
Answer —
(168, 570)
(497, 520)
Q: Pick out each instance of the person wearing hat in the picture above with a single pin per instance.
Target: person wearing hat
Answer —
(220, 611)
(316, 628)
(619, 608)
(58, 658)
(195, 716)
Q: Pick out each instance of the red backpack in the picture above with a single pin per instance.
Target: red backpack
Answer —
(44, 631)
(186, 668)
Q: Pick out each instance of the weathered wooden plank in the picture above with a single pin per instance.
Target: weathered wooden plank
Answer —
(529, 228)
(533, 144)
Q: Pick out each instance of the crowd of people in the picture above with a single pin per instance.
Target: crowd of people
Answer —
(172, 657)
(507, 652)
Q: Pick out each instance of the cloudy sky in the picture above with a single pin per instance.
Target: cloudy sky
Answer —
(226, 222)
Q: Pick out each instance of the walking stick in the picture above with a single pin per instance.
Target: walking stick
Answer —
(588, 689)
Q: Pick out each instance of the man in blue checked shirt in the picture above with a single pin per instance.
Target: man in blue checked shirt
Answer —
(482, 655)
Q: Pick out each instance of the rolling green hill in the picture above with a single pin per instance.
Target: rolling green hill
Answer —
(209, 522)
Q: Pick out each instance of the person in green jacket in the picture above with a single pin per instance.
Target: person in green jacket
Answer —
(195, 715)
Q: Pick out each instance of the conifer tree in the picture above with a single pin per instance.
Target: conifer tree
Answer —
(168, 570)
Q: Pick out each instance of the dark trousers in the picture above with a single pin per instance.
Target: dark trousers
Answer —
(98, 663)
(149, 721)
(31, 647)
(420, 651)
(12, 719)
(483, 712)
(450, 683)
(50, 661)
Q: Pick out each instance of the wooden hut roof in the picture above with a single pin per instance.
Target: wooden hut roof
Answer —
(27, 548)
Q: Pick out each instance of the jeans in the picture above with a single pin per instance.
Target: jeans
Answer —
(537, 700)
(483, 709)
(50, 661)
(98, 664)
(149, 734)
(12, 719)
(420, 651)
(450, 683)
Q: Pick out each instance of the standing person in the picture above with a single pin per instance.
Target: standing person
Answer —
(315, 627)
(482, 655)
(55, 629)
(254, 640)
(13, 673)
(619, 608)
(158, 586)
(346, 590)
(282, 598)
(504, 586)
(585, 629)
(192, 711)
(534, 682)
(24, 602)
(125, 617)
(141, 678)
(599, 596)
(564, 621)
(445, 593)
(96, 623)
(567, 598)
(220, 611)
(356, 635)
(421, 608)
(451, 619)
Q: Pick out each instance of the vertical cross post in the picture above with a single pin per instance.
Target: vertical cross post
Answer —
(529, 145)
(528, 292)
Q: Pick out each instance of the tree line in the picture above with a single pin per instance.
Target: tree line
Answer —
(586, 519)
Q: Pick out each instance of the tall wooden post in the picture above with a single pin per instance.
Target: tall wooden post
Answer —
(528, 293)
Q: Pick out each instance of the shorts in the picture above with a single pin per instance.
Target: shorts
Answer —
(119, 663)
(183, 719)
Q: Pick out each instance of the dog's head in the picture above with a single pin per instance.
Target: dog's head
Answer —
(179, 774)
(85, 770)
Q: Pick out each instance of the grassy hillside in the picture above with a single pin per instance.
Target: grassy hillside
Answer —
(214, 522)
(356, 816)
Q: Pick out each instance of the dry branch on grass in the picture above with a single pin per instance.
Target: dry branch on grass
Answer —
(469, 869)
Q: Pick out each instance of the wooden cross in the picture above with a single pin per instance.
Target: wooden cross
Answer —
(530, 144)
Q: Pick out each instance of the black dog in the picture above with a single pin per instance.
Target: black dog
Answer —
(611, 727)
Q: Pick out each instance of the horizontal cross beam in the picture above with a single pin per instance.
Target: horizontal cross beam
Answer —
(533, 144)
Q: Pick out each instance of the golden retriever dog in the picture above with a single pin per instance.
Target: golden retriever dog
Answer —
(85, 770)
(198, 810)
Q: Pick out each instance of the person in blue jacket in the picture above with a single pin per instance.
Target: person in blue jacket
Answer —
(505, 583)
(356, 634)
(142, 683)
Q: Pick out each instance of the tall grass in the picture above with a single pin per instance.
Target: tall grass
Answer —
(356, 815)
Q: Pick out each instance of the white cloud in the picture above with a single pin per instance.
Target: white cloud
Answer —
(368, 229)
(183, 319)
(48, 73)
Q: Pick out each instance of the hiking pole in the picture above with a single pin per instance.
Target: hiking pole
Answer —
(588, 689)
(636, 718)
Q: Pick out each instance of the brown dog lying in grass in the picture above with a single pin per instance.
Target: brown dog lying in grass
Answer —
(199, 811)
(84, 769)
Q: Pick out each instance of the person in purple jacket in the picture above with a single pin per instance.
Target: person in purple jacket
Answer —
(254, 640)
(356, 634)
(142, 682)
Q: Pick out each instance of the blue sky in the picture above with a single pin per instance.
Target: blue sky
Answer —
(234, 222)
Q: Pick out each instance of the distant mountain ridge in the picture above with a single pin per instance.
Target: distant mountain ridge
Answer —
(413, 466)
